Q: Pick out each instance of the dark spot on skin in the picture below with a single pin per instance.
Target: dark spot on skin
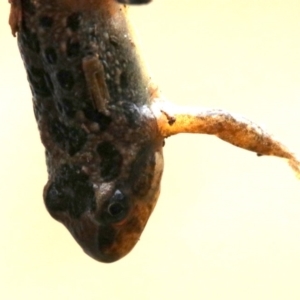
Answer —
(65, 79)
(45, 22)
(50, 55)
(70, 139)
(132, 114)
(73, 48)
(30, 39)
(95, 116)
(70, 191)
(40, 82)
(123, 80)
(73, 21)
(65, 107)
(111, 161)
(28, 7)
(143, 171)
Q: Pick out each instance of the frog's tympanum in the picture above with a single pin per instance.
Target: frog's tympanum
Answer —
(103, 121)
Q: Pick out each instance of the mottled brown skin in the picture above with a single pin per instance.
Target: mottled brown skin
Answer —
(103, 122)
(91, 102)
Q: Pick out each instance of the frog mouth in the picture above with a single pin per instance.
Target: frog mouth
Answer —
(109, 242)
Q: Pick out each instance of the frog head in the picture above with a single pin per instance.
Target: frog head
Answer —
(106, 217)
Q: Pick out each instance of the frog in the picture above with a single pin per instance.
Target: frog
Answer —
(104, 122)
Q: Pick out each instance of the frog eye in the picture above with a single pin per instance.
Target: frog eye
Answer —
(117, 207)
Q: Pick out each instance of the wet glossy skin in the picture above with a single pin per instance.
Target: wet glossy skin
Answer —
(103, 122)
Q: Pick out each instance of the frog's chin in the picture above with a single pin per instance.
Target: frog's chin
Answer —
(109, 242)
